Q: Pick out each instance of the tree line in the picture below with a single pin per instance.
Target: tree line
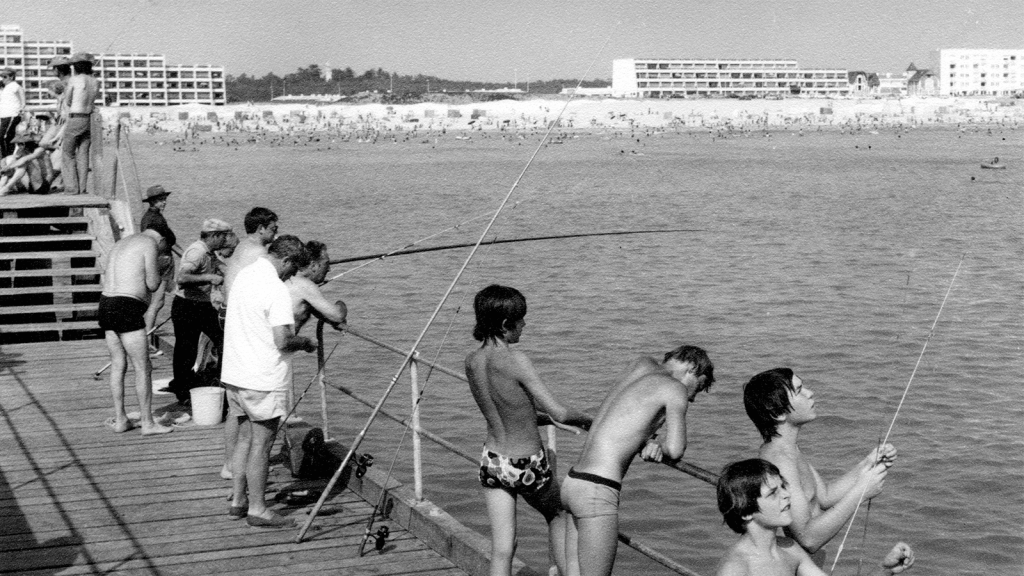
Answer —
(391, 86)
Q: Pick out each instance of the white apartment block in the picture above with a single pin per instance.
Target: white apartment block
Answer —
(981, 72)
(674, 78)
(125, 79)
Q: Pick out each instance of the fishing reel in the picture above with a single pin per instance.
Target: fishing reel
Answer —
(381, 538)
(364, 462)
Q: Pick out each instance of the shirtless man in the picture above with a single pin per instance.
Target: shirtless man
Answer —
(27, 170)
(80, 96)
(779, 405)
(652, 394)
(307, 300)
(134, 268)
(509, 392)
(755, 502)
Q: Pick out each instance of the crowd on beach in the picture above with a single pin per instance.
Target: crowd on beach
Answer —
(239, 305)
(52, 152)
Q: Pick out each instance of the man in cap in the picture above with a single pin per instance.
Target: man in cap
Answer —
(80, 98)
(27, 170)
(192, 312)
(12, 104)
(156, 197)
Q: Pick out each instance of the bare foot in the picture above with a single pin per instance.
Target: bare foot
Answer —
(225, 473)
(154, 428)
(119, 426)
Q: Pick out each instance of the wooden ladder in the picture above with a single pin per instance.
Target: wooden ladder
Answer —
(50, 266)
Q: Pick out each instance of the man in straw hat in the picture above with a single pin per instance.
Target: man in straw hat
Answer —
(12, 104)
(80, 97)
(192, 312)
(156, 197)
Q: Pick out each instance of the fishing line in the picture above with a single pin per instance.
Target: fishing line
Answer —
(927, 339)
(437, 310)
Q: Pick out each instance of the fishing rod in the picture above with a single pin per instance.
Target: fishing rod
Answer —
(403, 249)
(927, 339)
(404, 252)
(433, 316)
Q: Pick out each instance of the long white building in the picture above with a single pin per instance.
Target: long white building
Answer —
(676, 78)
(981, 72)
(125, 79)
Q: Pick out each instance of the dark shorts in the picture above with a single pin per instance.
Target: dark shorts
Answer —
(523, 476)
(122, 314)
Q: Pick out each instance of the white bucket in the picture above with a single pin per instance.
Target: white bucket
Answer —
(207, 405)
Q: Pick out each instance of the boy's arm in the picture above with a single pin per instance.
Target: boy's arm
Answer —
(527, 375)
(813, 532)
(834, 492)
(673, 442)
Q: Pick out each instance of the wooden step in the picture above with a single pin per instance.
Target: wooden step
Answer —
(53, 220)
(59, 326)
(54, 255)
(14, 202)
(75, 288)
(47, 238)
(49, 308)
(92, 271)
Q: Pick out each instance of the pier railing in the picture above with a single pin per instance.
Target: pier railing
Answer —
(419, 433)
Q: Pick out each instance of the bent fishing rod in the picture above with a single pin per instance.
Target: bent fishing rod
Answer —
(404, 252)
(906, 389)
(437, 310)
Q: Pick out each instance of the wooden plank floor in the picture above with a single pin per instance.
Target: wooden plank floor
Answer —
(75, 498)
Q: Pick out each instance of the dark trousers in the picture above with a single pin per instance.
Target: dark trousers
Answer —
(7, 130)
(191, 318)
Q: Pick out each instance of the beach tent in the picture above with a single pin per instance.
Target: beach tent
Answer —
(182, 115)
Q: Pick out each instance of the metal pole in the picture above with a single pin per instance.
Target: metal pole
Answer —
(323, 382)
(417, 461)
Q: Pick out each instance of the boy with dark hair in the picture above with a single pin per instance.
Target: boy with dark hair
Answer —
(652, 394)
(509, 392)
(260, 229)
(755, 502)
(779, 405)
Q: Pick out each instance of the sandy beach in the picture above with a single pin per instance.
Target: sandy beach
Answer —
(604, 114)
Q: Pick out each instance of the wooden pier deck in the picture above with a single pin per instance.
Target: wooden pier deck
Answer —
(75, 498)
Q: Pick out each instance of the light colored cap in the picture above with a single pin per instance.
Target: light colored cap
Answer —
(81, 57)
(215, 225)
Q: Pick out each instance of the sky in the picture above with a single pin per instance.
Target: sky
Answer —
(513, 42)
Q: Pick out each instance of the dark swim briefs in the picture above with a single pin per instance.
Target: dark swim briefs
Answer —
(122, 314)
(524, 476)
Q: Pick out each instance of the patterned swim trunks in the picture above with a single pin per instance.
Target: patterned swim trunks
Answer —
(525, 476)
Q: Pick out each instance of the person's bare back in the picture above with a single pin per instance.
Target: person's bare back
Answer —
(496, 375)
(132, 268)
(81, 93)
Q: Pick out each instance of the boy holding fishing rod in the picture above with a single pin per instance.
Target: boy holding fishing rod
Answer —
(755, 502)
(779, 405)
(651, 395)
(509, 392)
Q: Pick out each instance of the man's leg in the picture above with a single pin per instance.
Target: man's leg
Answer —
(138, 352)
(82, 157)
(186, 341)
(257, 466)
(548, 503)
(501, 508)
(232, 432)
(118, 368)
(69, 166)
(239, 494)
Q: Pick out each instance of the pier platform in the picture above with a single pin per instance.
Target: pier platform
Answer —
(76, 498)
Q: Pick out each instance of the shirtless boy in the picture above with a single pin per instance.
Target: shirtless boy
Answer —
(133, 272)
(79, 97)
(651, 395)
(509, 392)
(780, 405)
(755, 502)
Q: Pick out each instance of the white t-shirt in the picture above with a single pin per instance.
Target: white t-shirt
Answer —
(259, 301)
(12, 100)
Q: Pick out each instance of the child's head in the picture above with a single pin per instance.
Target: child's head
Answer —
(766, 397)
(739, 487)
(696, 356)
(498, 308)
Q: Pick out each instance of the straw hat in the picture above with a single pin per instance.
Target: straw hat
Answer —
(155, 192)
(215, 225)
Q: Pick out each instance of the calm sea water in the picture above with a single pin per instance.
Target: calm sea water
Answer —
(828, 253)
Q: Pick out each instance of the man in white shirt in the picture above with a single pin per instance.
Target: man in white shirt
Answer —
(256, 371)
(12, 104)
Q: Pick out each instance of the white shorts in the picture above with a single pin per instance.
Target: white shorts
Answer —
(257, 405)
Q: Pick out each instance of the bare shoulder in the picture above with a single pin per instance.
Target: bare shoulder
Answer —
(300, 285)
(735, 562)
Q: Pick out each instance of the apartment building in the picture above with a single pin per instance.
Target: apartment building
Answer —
(981, 72)
(677, 78)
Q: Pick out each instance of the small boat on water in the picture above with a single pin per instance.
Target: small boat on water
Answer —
(994, 164)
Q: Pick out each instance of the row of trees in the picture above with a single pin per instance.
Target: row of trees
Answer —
(345, 82)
